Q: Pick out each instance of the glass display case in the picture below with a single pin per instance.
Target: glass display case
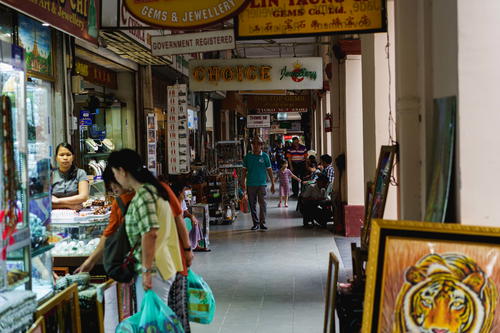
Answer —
(100, 131)
(16, 269)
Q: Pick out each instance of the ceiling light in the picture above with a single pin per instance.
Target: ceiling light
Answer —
(46, 24)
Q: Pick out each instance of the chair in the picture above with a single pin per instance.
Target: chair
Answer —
(320, 212)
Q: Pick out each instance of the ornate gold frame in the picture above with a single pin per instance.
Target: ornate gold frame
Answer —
(443, 232)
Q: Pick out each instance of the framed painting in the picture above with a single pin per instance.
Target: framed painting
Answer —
(365, 230)
(429, 277)
(331, 293)
(36, 40)
(442, 160)
(377, 191)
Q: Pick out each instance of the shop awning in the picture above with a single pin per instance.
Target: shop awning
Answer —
(122, 45)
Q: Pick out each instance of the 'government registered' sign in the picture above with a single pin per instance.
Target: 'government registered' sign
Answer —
(191, 43)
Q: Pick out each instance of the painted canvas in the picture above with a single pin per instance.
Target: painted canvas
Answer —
(36, 40)
(376, 192)
(428, 277)
(442, 160)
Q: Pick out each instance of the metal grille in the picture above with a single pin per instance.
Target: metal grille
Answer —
(124, 47)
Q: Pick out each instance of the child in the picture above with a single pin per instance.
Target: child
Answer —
(284, 175)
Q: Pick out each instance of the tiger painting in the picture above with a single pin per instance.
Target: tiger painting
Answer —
(445, 293)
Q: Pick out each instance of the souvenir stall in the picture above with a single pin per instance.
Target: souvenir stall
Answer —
(223, 197)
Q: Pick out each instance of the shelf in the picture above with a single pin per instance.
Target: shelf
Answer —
(17, 284)
(39, 196)
(90, 155)
(22, 239)
(41, 250)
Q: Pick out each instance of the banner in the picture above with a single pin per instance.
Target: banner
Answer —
(184, 14)
(258, 121)
(151, 141)
(192, 43)
(256, 74)
(287, 18)
(276, 104)
(178, 133)
(77, 17)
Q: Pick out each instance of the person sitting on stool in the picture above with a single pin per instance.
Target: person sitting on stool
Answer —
(314, 202)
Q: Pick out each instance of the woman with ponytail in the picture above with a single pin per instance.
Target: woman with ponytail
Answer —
(150, 225)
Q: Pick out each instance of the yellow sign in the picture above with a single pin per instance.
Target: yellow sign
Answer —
(184, 14)
(281, 18)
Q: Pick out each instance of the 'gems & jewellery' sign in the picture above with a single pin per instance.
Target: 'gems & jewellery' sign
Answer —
(184, 14)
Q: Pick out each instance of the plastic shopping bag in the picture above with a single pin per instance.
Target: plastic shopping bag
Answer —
(201, 300)
(154, 316)
(244, 204)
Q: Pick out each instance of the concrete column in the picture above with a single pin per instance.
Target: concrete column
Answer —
(376, 79)
(354, 130)
(146, 99)
(324, 137)
(478, 105)
(413, 23)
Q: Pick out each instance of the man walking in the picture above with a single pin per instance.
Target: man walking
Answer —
(256, 168)
(297, 155)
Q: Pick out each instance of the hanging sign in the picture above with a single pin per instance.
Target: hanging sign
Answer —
(96, 74)
(184, 14)
(256, 74)
(258, 121)
(191, 43)
(76, 17)
(177, 131)
(286, 18)
(276, 104)
(151, 141)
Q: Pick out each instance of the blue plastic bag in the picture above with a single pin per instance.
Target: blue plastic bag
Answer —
(154, 316)
(201, 300)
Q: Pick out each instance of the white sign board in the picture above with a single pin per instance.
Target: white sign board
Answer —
(192, 43)
(256, 74)
(258, 121)
(178, 132)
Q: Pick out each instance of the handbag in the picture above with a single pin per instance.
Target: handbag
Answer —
(118, 259)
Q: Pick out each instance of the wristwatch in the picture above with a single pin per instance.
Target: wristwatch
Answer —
(187, 249)
(148, 270)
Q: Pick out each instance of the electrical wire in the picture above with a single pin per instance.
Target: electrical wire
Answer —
(391, 121)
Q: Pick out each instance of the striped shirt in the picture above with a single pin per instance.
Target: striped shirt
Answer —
(298, 154)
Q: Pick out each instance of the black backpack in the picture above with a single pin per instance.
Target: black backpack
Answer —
(118, 260)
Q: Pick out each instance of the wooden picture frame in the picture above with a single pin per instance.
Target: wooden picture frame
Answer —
(365, 230)
(55, 305)
(38, 326)
(331, 293)
(108, 285)
(378, 190)
(417, 270)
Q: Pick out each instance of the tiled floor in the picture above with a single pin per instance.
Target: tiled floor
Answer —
(269, 281)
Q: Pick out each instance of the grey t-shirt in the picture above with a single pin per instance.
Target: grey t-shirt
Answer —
(64, 185)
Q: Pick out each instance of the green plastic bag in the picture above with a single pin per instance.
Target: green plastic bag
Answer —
(154, 316)
(201, 300)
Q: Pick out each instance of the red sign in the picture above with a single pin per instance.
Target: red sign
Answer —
(278, 103)
(75, 17)
(96, 74)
